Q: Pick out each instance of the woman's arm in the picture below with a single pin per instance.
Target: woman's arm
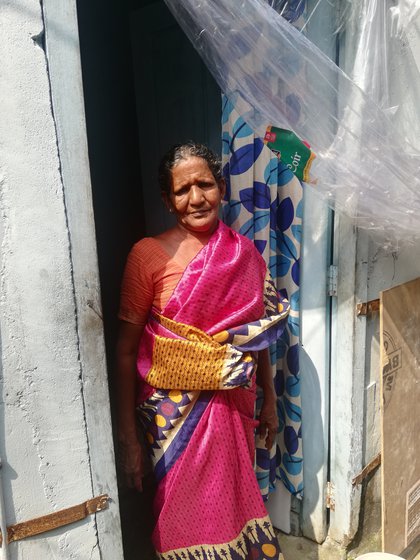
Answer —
(129, 447)
(269, 422)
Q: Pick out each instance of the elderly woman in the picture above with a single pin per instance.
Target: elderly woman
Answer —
(198, 311)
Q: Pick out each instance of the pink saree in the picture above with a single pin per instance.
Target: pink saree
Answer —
(196, 366)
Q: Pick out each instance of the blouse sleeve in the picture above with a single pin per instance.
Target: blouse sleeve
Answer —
(137, 290)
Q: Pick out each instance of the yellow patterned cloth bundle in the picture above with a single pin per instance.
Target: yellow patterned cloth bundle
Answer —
(197, 361)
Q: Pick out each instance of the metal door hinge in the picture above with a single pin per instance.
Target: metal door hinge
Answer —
(376, 461)
(56, 519)
(368, 307)
(330, 496)
(332, 280)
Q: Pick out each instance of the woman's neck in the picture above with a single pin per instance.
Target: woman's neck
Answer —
(183, 244)
(191, 236)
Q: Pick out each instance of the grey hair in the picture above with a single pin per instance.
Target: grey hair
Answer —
(184, 151)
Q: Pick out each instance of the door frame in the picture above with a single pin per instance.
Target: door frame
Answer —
(348, 335)
(315, 363)
(67, 106)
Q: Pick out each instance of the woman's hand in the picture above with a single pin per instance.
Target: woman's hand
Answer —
(131, 463)
(269, 423)
(130, 452)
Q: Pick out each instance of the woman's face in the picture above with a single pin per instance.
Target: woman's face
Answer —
(195, 195)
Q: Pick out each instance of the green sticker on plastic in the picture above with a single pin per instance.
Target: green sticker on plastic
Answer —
(291, 150)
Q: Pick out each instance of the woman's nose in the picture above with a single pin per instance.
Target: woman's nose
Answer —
(196, 195)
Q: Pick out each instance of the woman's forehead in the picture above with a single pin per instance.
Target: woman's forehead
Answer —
(189, 166)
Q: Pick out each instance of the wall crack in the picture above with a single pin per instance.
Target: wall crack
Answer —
(41, 40)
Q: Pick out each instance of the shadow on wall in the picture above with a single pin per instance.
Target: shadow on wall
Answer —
(313, 444)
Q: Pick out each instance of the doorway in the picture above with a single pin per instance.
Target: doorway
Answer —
(145, 89)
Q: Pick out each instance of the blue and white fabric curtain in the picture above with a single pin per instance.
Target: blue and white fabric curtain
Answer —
(264, 203)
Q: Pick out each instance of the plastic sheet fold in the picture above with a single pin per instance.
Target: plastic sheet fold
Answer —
(368, 158)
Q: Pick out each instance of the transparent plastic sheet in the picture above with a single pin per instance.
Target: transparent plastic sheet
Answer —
(365, 166)
(384, 45)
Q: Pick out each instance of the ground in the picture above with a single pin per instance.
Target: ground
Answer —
(299, 548)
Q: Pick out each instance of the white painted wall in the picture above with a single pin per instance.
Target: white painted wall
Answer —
(55, 435)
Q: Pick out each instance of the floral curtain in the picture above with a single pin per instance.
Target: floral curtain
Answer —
(264, 203)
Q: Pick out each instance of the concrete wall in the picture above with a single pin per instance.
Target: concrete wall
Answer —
(55, 439)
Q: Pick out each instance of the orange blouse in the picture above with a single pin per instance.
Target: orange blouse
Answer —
(150, 277)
